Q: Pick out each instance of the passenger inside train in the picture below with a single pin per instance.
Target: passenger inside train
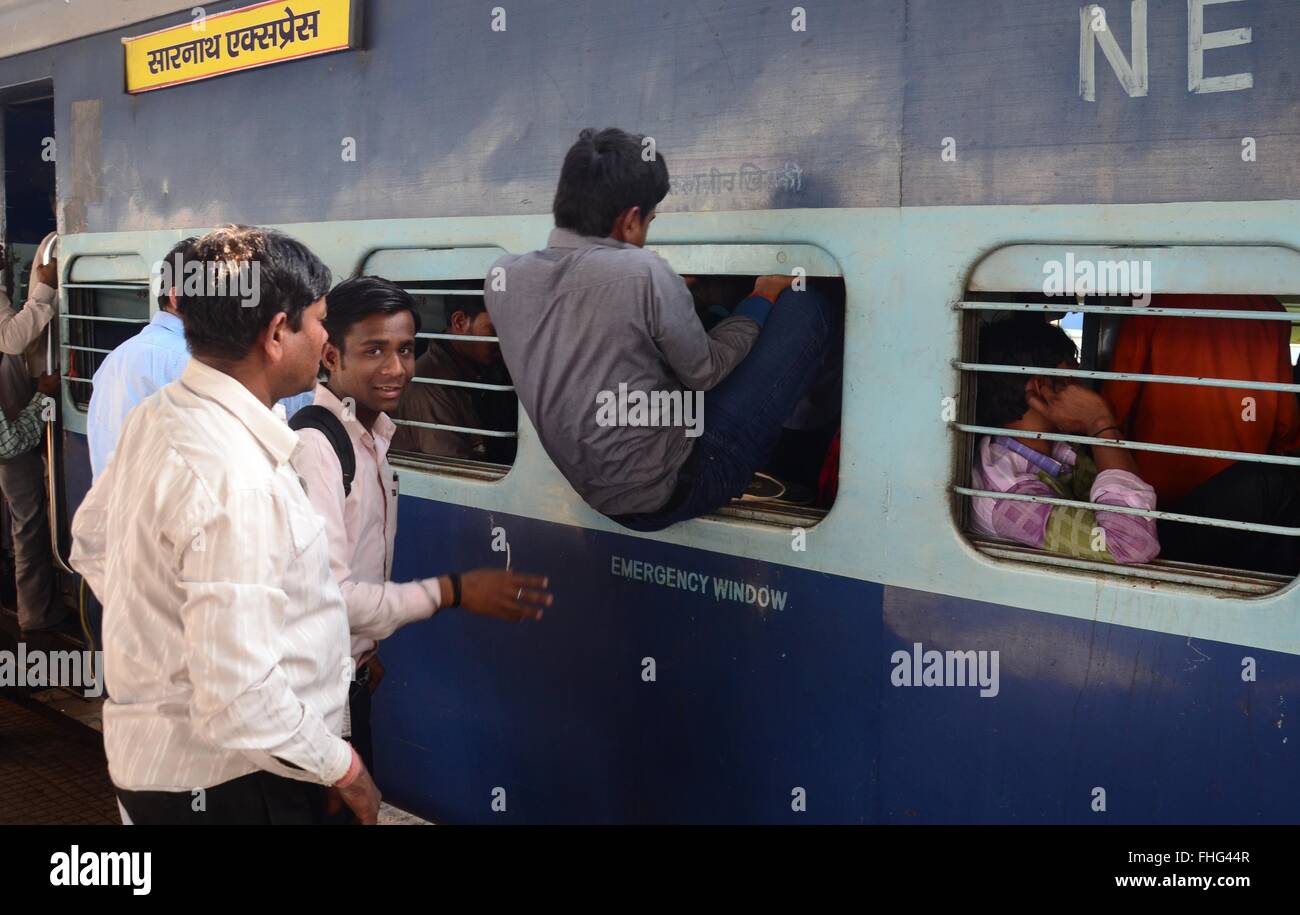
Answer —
(594, 314)
(1239, 421)
(1228, 419)
(468, 361)
(803, 468)
(1033, 466)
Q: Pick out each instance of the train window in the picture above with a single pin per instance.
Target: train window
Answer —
(460, 414)
(797, 486)
(1186, 357)
(106, 301)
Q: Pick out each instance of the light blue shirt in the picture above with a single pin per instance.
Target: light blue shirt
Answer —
(151, 359)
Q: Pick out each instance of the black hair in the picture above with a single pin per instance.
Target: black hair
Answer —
(360, 297)
(1027, 340)
(184, 250)
(472, 305)
(605, 173)
(286, 277)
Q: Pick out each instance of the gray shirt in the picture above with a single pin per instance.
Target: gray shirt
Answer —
(584, 316)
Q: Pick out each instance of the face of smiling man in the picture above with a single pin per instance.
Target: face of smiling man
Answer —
(375, 365)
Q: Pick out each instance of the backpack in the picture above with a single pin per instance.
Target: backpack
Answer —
(324, 421)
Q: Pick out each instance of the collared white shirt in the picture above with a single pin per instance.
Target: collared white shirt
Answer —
(362, 528)
(225, 635)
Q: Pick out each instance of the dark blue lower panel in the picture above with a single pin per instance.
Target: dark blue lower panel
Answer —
(746, 704)
(750, 704)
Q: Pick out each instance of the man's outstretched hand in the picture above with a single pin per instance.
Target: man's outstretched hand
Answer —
(503, 594)
(769, 287)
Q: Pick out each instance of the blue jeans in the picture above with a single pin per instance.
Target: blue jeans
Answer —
(744, 414)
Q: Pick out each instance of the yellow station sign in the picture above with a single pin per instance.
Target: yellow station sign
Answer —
(255, 36)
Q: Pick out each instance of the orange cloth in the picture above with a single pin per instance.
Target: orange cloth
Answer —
(1203, 417)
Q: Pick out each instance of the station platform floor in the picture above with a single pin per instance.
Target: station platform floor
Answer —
(52, 768)
(52, 765)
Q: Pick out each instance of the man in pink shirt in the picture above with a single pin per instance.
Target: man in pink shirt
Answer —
(1037, 467)
(370, 359)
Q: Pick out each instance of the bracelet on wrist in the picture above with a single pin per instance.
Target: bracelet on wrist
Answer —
(1098, 433)
(455, 589)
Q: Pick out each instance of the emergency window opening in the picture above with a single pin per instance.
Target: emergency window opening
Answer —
(797, 484)
(460, 413)
(1179, 363)
(27, 127)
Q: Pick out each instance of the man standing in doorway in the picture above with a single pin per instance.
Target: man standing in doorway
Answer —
(22, 477)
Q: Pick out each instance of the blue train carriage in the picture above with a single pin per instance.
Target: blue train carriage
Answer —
(774, 662)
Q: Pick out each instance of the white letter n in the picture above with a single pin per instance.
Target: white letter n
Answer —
(1134, 78)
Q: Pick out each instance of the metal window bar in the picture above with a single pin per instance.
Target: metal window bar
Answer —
(1133, 445)
(462, 337)
(86, 349)
(123, 287)
(477, 385)
(494, 433)
(1129, 376)
(72, 317)
(1126, 510)
(1069, 307)
(1256, 583)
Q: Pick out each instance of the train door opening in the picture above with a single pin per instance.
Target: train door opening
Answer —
(28, 208)
(29, 198)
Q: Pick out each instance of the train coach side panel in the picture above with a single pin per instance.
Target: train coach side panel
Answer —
(559, 722)
(632, 699)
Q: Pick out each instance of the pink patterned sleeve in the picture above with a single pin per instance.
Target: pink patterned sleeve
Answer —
(1023, 522)
(1130, 538)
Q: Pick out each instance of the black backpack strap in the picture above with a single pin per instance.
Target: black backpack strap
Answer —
(324, 421)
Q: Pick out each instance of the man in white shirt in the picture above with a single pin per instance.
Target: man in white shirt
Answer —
(22, 476)
(154, 357)
(225, 636)
(370, 359)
